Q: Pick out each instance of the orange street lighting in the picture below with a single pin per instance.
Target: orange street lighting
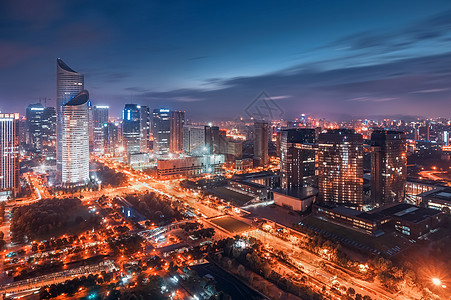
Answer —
(436, 281)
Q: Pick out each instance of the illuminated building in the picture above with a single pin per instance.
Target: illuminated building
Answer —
(260, 143)
(388, 166)
(297, 157)
(194, 140)
(189, 166)
(70, 85)
(131, 128)
(48, 132)
(75, 140)
(145, 128)
(161, 128)
(9, 155)
(112, 138)
(212, 139)
(176, 128)
(34, 114)
(340, 167)
(100, 118)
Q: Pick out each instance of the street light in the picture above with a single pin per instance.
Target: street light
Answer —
(436, 281)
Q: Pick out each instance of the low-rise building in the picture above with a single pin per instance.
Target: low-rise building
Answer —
(439, 198)
(297, 199)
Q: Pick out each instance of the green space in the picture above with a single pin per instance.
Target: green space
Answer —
(231, 224)
(386, 241)
(231, 195)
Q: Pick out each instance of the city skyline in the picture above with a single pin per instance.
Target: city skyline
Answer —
(388, 59)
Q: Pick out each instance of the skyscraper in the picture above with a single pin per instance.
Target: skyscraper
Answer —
(260, 143)
(194, 140)
(9, 155)
(113, 138)
(388, 166)
(100, 119)
(145, 128)
(176, 135)
(75, 140)
(69, 85)
(48, 133)
(212, 139)
(131, 128)
(34, 114)
(297, 157)
(161, 128)
(340, 167)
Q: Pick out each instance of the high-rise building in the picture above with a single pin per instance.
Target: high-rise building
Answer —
(34, 114)
(260, 143)
(194, 140)
(72, 126)
(212, 139)
(99, 121)
(112, 138)
(161, 128)
(9, 156)
(340, 167)
(145, 128)
(388, 166)
(75, 140)
(176, 128)
(131, 128)
(48, 133)
(297, 157)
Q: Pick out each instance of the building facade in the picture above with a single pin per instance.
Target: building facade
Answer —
(131, 128)
(100, 119)
(340, 167)
(176, 128)
(34, 115)
(260, 143)
(9, 156)
(161, 129)
(75, 140)
(388, 166)
(297, 157)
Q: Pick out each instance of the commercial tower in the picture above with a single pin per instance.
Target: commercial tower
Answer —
(260, 143)
(145, 128)
(75, 140)
(388, 166)
(72, 126)
(9, 155)
(34, 114)
(131, 128)
(176, 129)
(48, 133)
(340, 167)
(100, 120)
(297, 157)
(161, 128)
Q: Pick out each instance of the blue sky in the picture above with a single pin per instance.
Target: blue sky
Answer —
(211, 58)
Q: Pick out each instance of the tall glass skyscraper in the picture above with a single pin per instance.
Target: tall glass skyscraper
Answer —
(72, 126)
(161, 128)
(100, 119)
(131, 128)
(9, 155)
(260, 143)
(34, 116)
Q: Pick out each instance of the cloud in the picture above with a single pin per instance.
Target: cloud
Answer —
(430, 91)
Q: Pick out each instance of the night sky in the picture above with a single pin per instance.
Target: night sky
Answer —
(334, 59)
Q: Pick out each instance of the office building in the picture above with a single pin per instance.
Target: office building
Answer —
(260, 143)
(161, 128)
(72, 126)
(340, 167)
(113, 139)
(212, 139)
(9, 156)
(297, 157)
(34, 114)
(131, 128)
(194, 140)
(100, 119)
(176, 128)
(48, 133)
(75, 140)
(145, 128)
(388, 166)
